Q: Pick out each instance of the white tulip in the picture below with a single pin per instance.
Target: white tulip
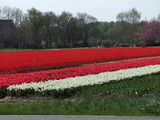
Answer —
(87, 79)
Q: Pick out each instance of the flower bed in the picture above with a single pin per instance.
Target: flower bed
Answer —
(78, 81)
(74, 77)
(13, 79)
(21, 61)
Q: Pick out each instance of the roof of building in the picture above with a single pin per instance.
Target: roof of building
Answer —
(7, 25)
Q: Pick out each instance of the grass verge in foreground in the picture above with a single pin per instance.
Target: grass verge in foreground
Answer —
(136, 96)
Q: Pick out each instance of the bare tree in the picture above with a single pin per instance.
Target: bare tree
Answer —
(158, 17)
(132, 16)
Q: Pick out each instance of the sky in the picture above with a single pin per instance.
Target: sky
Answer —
(103, 10)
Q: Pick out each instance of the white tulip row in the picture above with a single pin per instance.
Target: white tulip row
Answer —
(88, 79)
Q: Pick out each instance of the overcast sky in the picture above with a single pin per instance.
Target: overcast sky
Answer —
(103, 10)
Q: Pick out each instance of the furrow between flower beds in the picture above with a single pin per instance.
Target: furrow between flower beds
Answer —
(13, 79)
(87, 80)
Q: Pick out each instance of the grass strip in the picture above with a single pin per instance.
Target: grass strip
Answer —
(135, 96)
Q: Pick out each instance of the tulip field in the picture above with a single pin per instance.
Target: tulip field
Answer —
(118, 81)
(60, 70)
(23, 61)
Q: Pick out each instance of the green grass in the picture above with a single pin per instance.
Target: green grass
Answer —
(22, 50)
(136, 96)
(108, 105)
(15, 50)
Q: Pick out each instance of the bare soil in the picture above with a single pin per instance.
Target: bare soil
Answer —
(32, 99)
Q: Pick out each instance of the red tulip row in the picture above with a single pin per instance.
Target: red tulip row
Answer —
(12, 79)
(21, 61)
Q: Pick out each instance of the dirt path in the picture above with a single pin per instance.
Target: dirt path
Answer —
(31, 99)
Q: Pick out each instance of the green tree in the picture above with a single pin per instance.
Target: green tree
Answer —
(127, 24)
(35, 17)
(63, 28)
(132, 16)
(50, 24)
(84, 20)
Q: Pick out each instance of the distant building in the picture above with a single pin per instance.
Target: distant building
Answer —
(7, 33)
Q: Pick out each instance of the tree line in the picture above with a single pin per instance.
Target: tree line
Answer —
(36, 29)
